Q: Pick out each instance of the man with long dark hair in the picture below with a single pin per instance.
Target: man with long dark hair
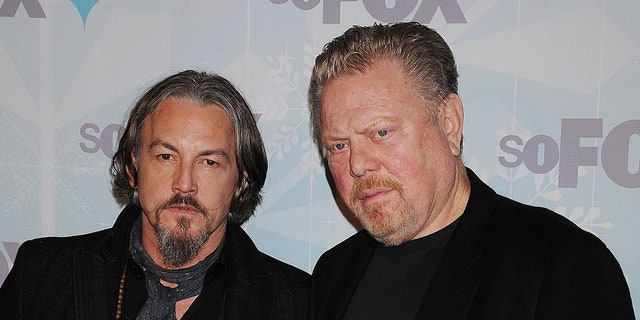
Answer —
(189, 169)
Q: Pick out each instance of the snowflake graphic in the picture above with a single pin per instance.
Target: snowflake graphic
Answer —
(293, 79)
(52, 184)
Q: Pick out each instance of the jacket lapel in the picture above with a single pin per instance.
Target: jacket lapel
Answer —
(348, 283)
(451, 291)
(244, 278)
(97, 270)
(455, 282)
(95, 286)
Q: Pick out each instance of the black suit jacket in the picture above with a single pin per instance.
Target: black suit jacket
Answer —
(78, 278)
(505, 260)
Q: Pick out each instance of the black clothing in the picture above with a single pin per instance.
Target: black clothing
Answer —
(504, 261)
(78, 277)
(397, 278)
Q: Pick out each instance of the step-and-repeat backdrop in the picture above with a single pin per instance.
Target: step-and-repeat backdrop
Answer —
(551, 92)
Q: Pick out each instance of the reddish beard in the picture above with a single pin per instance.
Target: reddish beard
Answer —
(388, 221)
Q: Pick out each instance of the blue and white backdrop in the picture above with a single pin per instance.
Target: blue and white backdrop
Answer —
(550, 88)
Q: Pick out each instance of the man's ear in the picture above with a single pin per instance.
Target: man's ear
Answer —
(133, 177)
(453, 120)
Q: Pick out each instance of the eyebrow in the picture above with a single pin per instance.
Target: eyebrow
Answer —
(372, 125)
(369, 125)
(211, 152)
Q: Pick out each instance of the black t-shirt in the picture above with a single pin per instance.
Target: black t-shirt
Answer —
(396, 278)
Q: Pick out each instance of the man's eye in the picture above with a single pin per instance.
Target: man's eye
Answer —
(382, 133)
(165, 157)
(210, 163)
(339, 146)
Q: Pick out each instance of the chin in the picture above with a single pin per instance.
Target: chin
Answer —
(390, 235)
(185, 227)
(390, 240)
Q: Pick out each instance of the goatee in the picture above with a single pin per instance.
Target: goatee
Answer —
(178, 249)
(178, 246)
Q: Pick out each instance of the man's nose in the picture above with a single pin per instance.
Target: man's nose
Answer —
(361, 159)
(184, 181)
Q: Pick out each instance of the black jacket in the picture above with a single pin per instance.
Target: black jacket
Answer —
(78, 278)
(505, 260)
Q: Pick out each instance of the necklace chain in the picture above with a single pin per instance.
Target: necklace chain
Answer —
(121, 292)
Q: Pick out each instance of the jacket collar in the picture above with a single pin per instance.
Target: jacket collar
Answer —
(353, 271)
(239, 255)
(117, 243)
(455, 282)
(97, 271)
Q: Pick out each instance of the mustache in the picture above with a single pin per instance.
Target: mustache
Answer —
(373, 183)
(185, 200)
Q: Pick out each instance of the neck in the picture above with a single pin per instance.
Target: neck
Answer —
(170, 291)
(461, 192)
(454, 204)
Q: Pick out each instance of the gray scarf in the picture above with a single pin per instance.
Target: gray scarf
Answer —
(161, 303)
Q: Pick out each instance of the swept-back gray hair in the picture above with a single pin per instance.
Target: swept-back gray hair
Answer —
(426, 57)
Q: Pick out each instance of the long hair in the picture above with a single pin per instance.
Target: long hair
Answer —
(203, 89)
(427, 59)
